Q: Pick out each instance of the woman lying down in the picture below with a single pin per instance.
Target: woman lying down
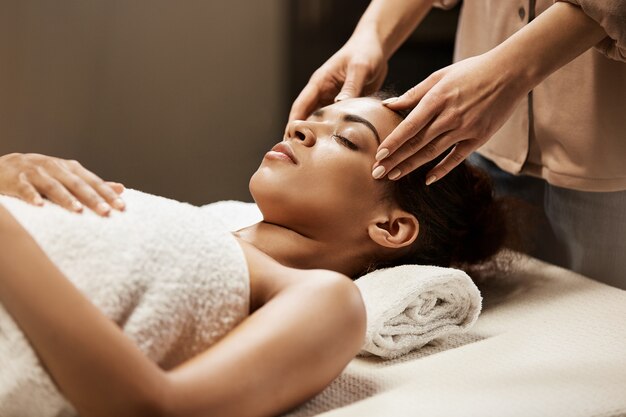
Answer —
(159, 310)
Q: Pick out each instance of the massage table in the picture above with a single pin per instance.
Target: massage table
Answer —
(549, 342)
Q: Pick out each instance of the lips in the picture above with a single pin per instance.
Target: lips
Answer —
(284, 148)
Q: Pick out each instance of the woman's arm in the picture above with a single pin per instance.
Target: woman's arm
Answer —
(306, 331)
(463, 105)
(99, 370)
(310, 326)
(392, 21)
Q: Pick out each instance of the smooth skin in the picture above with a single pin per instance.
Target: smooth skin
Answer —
(458, 108)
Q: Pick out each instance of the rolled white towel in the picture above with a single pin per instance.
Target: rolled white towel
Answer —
(410, 305)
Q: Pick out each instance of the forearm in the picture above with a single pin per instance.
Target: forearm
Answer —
(84, 352)
(392, 21)
(553, 39)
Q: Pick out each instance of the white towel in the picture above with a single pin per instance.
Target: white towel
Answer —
(410, 305)
(407, 306)
(171, 275)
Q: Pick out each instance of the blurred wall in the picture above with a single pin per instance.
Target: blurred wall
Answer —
(177, 98)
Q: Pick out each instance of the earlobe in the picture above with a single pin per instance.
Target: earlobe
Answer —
(398, 230)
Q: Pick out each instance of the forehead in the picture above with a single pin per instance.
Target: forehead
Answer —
(371, 109)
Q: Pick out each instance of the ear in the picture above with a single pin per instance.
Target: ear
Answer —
(396, 229)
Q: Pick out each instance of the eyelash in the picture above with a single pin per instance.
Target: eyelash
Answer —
(346, 142)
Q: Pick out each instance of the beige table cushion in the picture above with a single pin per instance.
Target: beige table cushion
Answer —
(548, 343)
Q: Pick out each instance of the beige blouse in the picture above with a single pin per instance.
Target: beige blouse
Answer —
(571, 129)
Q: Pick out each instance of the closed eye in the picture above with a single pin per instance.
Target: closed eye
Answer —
(346, 142)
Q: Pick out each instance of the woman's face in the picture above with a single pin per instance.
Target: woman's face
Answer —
(318, 180)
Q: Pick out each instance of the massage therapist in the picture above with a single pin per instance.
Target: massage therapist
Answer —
(538, 90)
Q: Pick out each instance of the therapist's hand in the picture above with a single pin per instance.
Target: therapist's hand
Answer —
(358, 68)
(66, 183)
(455, 110)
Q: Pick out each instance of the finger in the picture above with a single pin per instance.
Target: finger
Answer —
(423, 141)
(27, 192)
(305, 103)
(376, 83)
(353, 85)
(116, 186)
(432, 150)
(456, 156)
(93, 191)
(54, 191)
(412, 96)
(86, 193)
(409, 128)
(421, 126)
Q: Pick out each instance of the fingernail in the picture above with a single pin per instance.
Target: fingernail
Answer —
(378, 172)
(431, 179)
(390, 100)
(341, 96)
(38, 201)
(118, 203)
(395, 173)
(103, 208)
(383, 153)
(76, 206)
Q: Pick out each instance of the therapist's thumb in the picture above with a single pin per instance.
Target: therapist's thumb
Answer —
(355, 79)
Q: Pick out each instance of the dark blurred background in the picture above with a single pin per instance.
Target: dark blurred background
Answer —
(180, 99)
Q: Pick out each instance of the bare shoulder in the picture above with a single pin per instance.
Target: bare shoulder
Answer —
(268, 277)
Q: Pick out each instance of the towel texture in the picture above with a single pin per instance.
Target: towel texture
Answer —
(410, 305)
(171, 275)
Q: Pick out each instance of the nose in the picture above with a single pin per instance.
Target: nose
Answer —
(301, 131)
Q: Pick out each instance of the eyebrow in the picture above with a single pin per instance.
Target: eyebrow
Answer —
(354, 119)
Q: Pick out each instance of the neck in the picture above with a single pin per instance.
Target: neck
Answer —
(296, 250)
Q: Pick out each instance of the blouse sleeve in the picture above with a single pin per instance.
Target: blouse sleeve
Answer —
(611, 15)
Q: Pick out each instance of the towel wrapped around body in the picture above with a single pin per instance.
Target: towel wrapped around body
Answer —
(170, 274)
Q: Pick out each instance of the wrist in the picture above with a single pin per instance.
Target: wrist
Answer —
(390, 22)
(537, 50)
(515, 69)
(370, 34)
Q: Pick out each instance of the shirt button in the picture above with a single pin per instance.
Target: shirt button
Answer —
(522, 13)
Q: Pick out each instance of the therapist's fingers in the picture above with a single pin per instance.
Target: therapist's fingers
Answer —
(412, 96)
(455, 157)
(424, 110)
(356, 76)
(426, 145)
(399, 166)
(305, 103)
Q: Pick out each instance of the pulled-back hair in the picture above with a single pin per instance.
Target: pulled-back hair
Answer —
(462, 223)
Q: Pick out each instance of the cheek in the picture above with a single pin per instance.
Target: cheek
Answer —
(342, 183)
(330, 189)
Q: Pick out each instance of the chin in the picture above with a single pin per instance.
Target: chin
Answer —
(269, 194)
(282, 202)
